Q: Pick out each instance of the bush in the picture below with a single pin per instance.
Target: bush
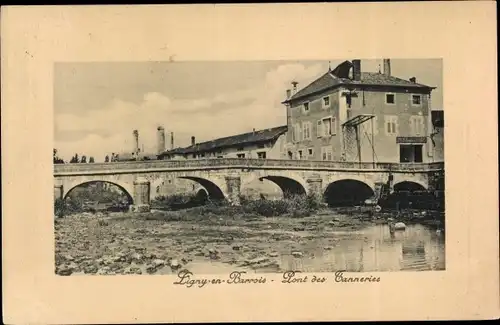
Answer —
(180, 201)
(294, 206)
(66, 207)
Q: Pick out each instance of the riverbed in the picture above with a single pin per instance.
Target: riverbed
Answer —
(122, 243)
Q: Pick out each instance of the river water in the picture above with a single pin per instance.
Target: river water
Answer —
(371, 249)
(376, 248)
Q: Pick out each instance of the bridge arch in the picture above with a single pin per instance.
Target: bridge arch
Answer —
(288, 185)
(125, 191)
(409, 194)
(347, 192)
(214, 191)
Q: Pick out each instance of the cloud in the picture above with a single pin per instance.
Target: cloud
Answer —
(221, 115)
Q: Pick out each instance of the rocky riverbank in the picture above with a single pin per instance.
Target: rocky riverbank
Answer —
(168, 242)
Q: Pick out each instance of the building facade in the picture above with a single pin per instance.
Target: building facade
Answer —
(350, 115)
(260, 144)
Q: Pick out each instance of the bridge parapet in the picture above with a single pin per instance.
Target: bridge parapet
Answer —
(239, 163)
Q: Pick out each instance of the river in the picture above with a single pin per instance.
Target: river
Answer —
(371, 249)
(210, 244)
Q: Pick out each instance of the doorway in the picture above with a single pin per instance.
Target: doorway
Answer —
(410, 153)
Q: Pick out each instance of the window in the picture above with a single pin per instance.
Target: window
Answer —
(241, 149)
(416, 100)
(261, 155)
(306, 130)
(310, 152)
(327, 153)
(319, 129)
(417, 125)
(220, 156)
(194, 156)
(391, 125)
(306, 107)
(240, 155)
(296, 132)
(202, 155)
(299, 154)
(326, 101)
(327, 126)
(390, 98)
(333, 129)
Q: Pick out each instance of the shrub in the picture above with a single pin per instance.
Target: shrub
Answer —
(66, 207)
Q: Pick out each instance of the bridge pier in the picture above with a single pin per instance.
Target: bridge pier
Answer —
(142, 188)
(233, 189)
(315, 185)
(58, 192)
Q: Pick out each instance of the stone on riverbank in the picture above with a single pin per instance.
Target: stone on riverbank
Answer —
(399, 226)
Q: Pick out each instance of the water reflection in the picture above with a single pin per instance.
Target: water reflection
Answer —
(375, 248)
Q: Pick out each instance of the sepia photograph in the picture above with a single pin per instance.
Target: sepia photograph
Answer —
(249, 162)
(270, 166)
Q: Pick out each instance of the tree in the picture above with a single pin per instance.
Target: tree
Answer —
(56, 159)
(75, 159)
(106, 159)
(91, 160)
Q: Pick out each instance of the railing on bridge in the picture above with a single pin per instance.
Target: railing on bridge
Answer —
(243, 163)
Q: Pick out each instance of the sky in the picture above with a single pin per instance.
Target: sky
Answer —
(97, 105)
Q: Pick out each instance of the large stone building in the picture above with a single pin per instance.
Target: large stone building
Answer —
(263, 144)
(259, 144)
(351, 115)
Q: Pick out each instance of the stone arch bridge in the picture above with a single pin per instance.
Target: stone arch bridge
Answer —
(223, 178)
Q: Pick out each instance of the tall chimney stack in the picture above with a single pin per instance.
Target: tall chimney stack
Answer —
(356, 69)
(193, 141)
(171, 140)
(387, 67)
(294, 84)
(135, 133)
(161, 139)
(288, 93)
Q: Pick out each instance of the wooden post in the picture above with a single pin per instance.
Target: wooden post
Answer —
(358, 144)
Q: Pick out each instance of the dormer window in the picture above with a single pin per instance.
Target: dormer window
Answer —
(390, 98)
(416, 100)
(306, 107)
(326, 101)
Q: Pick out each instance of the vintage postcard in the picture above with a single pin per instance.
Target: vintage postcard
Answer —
(291, 168)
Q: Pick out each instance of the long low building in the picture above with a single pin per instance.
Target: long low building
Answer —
(263, 144)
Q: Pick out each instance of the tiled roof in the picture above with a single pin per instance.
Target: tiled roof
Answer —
(338, 77)
(126, 156)
(235, 140)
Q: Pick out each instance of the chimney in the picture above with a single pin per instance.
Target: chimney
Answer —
(387, 67)
(161, 139)
(171, 140)
(135, 133)
(294, 84)
(356, 69)
(413, 80)
(288, 93)
(193, 141)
